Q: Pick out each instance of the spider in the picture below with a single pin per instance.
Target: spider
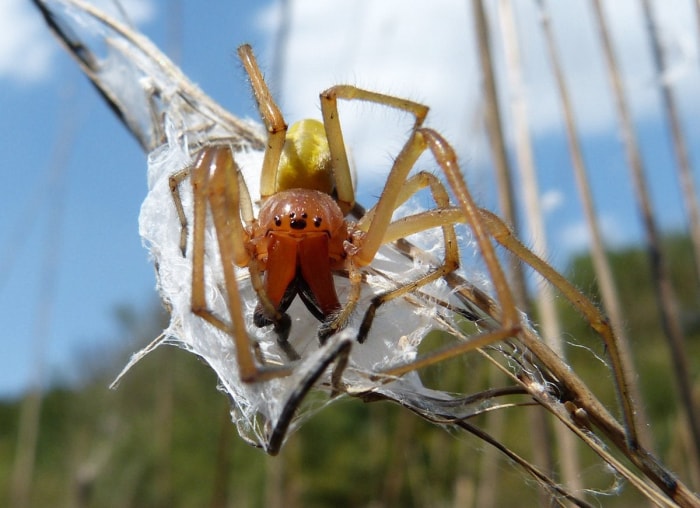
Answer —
(301, 238)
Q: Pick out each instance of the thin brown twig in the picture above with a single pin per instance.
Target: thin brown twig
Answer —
(666, 297)
(567, 455)
(611, 302)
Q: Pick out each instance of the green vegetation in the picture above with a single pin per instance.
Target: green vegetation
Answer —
(164, 437)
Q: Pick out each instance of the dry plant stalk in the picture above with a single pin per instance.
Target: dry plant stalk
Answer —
(604, 277)
(666, 297)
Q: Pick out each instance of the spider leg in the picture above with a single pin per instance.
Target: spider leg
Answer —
(174, 181)
(276, 131)
(484, 224)
(345, 194)
(334, 133)
(271, 117)
(408, 226)
(443, 153)
(597, 320)
(504, 236)
(420, 140)
(200, 188)
(338, 321)
(215, 182)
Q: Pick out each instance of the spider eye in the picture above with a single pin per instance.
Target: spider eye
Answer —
(318, 221)
(278, 221)
(296, 223)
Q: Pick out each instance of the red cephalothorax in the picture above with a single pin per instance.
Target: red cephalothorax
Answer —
(300, 236)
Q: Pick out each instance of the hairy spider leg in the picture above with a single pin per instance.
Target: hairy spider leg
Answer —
(427, 139)
(598, 321)
(271, 174)
(407, 226)
(334, 133)
(484, 224)
(174, 182)
(372, 239)
(271, 117)
(378, 226)
(206, 156)
(215, 181)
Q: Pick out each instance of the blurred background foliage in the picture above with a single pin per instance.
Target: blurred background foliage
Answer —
(164, 438)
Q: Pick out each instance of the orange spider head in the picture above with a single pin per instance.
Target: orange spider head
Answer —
(299, 239)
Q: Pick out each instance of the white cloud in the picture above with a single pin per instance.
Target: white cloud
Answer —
(580, 53)
(425, 51)
(551, 201)
(575, 236)
(27, 46)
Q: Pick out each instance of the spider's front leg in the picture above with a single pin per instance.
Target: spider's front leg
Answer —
(334, 133)
(345, 192)
(266, 312)
(218, 185)
(380, 229)
(407, 226)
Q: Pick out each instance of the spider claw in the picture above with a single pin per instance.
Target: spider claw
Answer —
(367, 321)
(327, 330)
(183, 241)
(282, 326)
(289, 350)
(259, 318)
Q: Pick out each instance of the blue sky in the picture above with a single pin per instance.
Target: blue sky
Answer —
(86, 224)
